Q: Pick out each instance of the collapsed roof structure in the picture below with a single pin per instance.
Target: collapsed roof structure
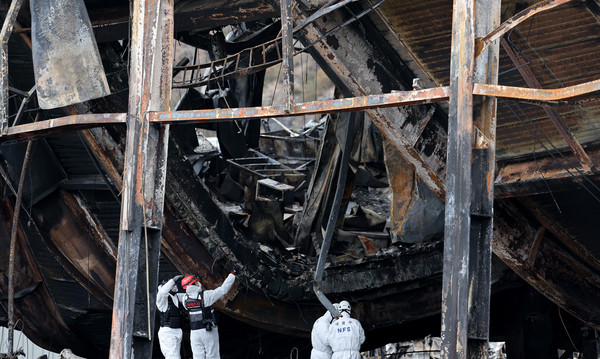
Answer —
(458, 129)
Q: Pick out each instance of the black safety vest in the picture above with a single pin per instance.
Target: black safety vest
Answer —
(201, 317)
(172, 317)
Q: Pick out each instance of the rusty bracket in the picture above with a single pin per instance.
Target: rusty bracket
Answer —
(480, 141)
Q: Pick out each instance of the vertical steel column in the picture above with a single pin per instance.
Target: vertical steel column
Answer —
(287, 44)
(7, 27)
(143, 180)
(455, 288)
(487, 16)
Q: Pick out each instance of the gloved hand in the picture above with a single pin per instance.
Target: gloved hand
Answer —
(177, 278)
(233, 270)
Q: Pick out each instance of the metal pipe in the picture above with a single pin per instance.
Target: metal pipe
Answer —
(333, 216)
(11, 258)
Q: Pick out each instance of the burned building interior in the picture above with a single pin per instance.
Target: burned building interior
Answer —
(448, 186)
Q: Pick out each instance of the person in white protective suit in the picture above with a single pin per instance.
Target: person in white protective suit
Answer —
(169, 333)
(345, 335)
(318, 336)
(204, 335)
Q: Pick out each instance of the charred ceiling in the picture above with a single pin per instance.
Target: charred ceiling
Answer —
(366, 191)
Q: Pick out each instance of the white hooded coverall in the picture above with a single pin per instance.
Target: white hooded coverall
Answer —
(168, 338)
(205, 344)
(318, 337)
(345, 337)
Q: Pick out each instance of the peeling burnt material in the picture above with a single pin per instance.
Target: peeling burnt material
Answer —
(63, 43)
(355, 77)
(273, 281)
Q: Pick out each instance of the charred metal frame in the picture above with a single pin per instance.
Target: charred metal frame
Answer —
(143, 180)
(7, 27)
(143, 192)
(287, 66)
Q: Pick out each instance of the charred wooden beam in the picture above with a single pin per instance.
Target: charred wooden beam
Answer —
(144, 180)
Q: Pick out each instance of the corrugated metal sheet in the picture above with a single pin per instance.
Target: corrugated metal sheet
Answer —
(562, 47)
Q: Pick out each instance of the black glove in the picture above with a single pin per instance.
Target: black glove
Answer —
(233, 270)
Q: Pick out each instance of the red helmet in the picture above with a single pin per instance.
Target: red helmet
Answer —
(189, 280)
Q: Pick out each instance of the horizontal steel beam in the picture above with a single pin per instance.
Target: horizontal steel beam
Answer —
(394, 99)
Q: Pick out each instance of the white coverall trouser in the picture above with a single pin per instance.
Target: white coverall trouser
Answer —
(170, 342)
(345, 337)
(205, 344)
(169, 338)
(318, 338)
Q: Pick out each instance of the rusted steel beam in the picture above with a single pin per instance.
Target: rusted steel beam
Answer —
(487, 17)
(482, 42)
(455, 282)
(13, 244)
(7, 28)
(143, 180)
(394, 99)
(522, 65)
(542, 175)
(47, 127)
(525, 93)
